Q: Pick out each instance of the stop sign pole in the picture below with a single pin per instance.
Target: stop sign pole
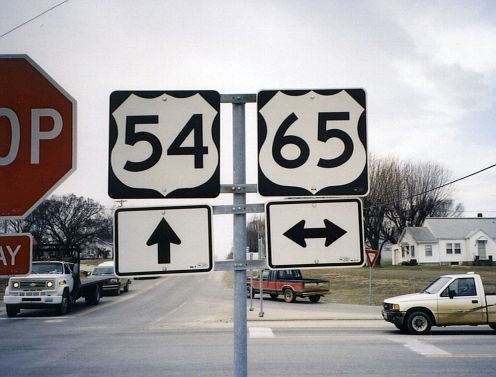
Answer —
(37, 135)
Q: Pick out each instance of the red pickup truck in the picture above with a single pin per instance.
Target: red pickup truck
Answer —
(290, 284)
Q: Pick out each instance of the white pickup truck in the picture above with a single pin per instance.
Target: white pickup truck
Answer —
(449, 300)
(51, 285)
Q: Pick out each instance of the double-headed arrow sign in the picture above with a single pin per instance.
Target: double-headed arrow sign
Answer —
(314, 233)
(298, 233)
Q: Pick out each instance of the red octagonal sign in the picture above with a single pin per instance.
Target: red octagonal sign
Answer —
(37, 135)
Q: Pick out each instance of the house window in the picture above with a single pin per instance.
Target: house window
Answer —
(458, 248)
(428, 250)
(449, 248)
(412, 251)
(453, 248)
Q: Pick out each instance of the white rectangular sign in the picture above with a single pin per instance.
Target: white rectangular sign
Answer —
(314, 233)
(163, 240)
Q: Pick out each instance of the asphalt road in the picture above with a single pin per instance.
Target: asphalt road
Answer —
(182, 326)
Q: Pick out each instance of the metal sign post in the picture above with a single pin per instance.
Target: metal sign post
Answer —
(239, 233)
(261, 255)
(371, 259)
(251, 283)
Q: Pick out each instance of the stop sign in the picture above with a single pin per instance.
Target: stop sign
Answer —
(37, 135)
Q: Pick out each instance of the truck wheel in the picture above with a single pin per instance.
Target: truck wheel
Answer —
(94, 297)
(289, 295)
(274, 296)
(493, 325)
(126, 287)
(314, 299)
(97, 295)
(12, 310)
(419, 323)
(63, 308)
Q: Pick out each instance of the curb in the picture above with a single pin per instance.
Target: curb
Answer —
(268, 318)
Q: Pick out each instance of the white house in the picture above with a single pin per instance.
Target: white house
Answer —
(453, 240)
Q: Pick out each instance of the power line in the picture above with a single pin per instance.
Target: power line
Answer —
(435, 188)
(34, 18)
(479, 211)
(462, 178)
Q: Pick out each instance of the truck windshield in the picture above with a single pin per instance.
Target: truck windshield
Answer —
(436, 285)
(289, 274)
(47, 268)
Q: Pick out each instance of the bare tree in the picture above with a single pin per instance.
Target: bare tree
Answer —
(67, 220)
(71, 220)
(421, 192)
(378, 228)
(403, 194)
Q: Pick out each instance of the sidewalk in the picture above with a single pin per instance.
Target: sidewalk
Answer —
(302, 312)
(314, 312)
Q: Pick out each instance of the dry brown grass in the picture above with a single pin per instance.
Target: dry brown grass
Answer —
(351, 286)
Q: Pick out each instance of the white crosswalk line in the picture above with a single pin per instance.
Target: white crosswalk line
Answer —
(419, 347)
(261, 332)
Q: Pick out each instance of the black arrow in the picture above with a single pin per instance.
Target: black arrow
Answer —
(163, 236)
(298, 233)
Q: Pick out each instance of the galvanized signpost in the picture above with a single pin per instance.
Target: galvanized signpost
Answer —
(239, 241)
(310, 143)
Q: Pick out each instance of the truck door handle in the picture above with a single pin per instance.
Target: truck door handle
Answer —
(475, 301)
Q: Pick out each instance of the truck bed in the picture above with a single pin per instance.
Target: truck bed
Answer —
(491, 307)
(92, 280)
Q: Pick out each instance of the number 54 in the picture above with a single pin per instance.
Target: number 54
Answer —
(193, 126)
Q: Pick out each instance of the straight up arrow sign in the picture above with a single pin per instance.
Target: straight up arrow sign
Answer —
(154, 241)
(163, 236)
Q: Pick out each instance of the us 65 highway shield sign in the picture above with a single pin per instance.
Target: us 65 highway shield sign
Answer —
(312, 142)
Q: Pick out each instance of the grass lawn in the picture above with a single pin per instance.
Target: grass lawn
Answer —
(351, 286)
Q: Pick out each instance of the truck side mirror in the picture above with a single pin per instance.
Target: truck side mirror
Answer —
(452, 293)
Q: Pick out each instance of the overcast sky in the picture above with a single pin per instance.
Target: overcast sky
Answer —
(428, 68)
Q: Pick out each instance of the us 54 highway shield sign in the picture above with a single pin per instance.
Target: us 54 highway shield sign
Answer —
(164, 144)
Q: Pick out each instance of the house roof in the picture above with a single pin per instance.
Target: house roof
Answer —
(459, 227)
(421, 234)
